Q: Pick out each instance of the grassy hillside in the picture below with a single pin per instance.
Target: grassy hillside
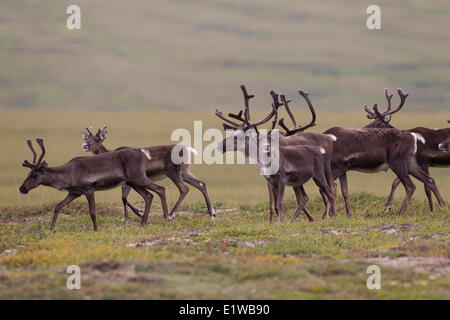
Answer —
(226, 183)
(171, 54)
(238, 256)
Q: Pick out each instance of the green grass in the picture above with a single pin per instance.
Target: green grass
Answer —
(237, 256)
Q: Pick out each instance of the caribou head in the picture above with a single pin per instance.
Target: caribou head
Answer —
(245, 131)
(444, 146)
(94, 142)
(38, 168)
(382, 120)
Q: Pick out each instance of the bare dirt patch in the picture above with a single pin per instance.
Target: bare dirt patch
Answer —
(421, 264)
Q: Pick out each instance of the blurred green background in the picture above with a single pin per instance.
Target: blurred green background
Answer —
(173, 54)
(148, 67)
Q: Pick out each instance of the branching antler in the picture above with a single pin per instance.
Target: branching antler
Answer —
(296, 129)
(26, 163)
(388, 111)
(244, 121)
(231, 124)
(247, 98)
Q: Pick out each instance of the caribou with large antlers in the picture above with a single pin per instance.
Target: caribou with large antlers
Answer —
(161, 167)
(428, 154)
(372, 150)
(85, 175)
(296, 136)
(296, 163)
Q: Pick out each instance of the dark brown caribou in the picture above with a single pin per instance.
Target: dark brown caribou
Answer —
(85, 175)
(161, 167)
(428, 154)
(296, 163)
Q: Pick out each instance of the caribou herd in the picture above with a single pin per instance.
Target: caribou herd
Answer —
(302, 155)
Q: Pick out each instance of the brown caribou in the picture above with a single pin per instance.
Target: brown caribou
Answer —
(428, 154)
(161, 167)
(85, 175)
(296, 163)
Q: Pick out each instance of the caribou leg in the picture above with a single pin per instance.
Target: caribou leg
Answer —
(416, 171)
(148, 198)
(70, 197)
(144, 182)
(427, 190)
(301, 202)
(175, 176)
(402, 173)
(325, 192)
(271, 200)
(189, 178)
(279, 199)
(391, 196)
(305, 196)
(91, 201)
(125, 192)
(344, 190)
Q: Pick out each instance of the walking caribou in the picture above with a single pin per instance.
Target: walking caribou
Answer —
(85, 175)
(428, 154)
(296, 163)
(372, 150)
(160, 167)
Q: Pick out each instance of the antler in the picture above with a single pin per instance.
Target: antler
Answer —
(30, 145)
(40, 142)
(89, 130)
(379, 115)
(305, 96)
(370, 114)
(247, 98)
(231, 124)
(245, 120)
(286, 102)
(389, 111)
(403, 97)
(100, 131)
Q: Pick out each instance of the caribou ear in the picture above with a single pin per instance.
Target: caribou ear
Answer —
(43, 166)
(387, 118)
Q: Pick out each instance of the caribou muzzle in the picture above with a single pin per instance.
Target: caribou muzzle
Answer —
(23, 190)
(85, 146)
(444, 147)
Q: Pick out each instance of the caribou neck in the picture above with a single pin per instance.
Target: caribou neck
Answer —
(56, 178)
(102, 149)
